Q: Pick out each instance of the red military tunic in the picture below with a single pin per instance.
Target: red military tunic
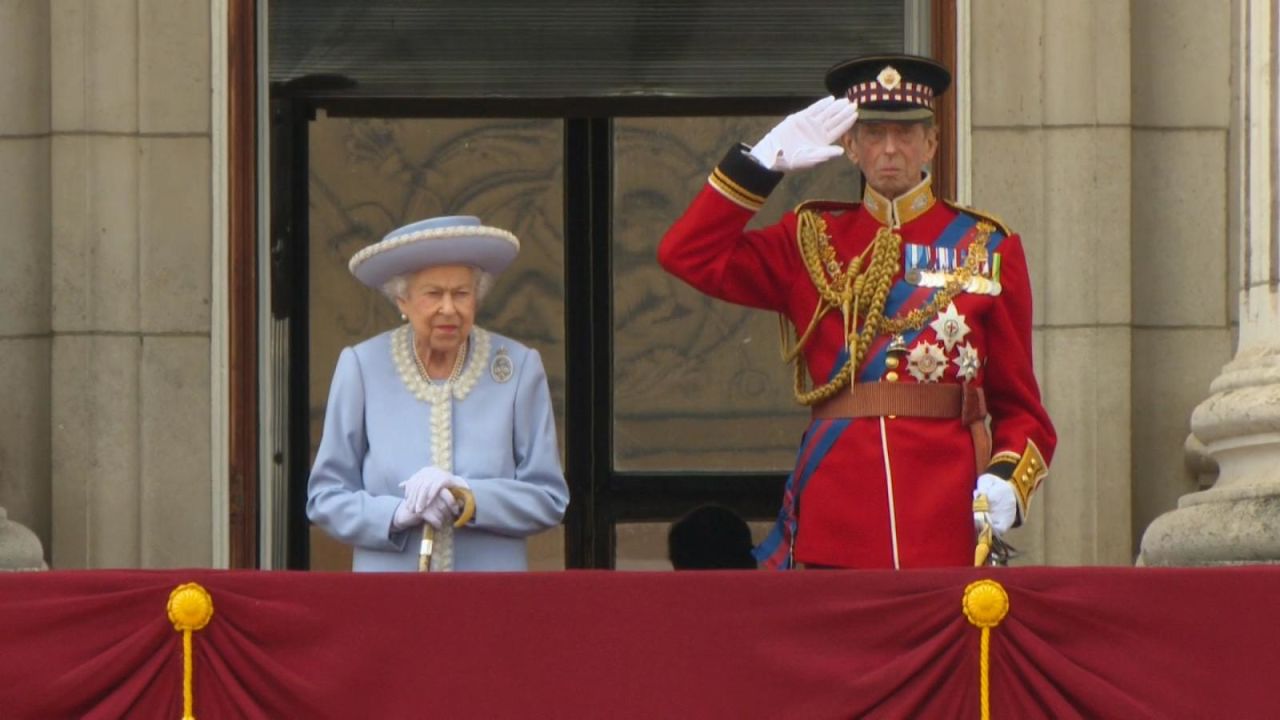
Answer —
(875, 492)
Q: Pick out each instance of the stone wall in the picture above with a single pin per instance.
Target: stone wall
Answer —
(1184, 287)
(25, 254)
(1088, 141)
(130, 282)
(1051, 147)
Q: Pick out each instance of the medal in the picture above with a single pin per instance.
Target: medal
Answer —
(950, 326)
(967, 362)
(915, 261)
(927, 362)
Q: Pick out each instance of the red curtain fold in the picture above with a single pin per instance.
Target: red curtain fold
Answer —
(1077, 642)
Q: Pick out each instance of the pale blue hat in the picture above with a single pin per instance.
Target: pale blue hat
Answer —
(449, 240)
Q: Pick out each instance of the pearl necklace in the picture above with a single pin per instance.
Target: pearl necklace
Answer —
(413, 373)
(457, 362)
(414, 376)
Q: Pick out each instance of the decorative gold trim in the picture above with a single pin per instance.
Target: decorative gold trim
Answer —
(902, 209)
(981, 215)
(1030, 471)
(734, 192)
(860, 292)
(1004, 456)
(190, 608)
(985, 604)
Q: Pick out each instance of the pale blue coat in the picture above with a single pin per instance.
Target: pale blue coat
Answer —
(377, 433)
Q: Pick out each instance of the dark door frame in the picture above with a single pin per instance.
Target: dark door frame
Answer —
(601, 495)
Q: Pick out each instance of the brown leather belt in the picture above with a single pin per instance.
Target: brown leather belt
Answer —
(934, 400)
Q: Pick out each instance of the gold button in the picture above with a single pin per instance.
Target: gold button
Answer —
(891, 362)
(891, 376)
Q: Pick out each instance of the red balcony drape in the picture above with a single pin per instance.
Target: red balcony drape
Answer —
(1077, 642)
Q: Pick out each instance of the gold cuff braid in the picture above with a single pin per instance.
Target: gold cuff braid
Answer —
(1028, 474)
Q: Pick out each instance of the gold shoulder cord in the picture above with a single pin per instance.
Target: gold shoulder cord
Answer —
(844, 289)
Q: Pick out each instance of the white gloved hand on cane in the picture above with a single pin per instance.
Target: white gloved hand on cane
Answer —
(444, 508)
(423, 492)
(419, 491)
(1001, 500)
(808, 137)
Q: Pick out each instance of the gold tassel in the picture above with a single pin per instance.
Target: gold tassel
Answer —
(985, 605)
(190, 608)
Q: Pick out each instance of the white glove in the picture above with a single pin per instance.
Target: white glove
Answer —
(444, 508)
(423, 486)
(808, 137)
(404, 517)
(1001, 500)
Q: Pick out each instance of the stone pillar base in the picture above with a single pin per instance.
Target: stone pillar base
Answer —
(1215, 533)
(20, 549)
(1237, 520)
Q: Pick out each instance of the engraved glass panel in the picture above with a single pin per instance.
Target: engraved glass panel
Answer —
(698, 383)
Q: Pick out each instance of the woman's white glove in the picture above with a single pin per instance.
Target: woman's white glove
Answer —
(423, 486)
(1002, 502)
(443, 510)
(405, 518)
(808, 137)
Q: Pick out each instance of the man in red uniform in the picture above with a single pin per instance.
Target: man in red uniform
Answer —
(912, 319)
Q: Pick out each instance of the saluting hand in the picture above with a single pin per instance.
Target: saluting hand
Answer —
(808, 137)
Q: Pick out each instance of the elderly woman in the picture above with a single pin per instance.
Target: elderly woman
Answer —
(424, 418)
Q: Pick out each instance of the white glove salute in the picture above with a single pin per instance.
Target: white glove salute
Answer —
(1003, 503)
(808, 137)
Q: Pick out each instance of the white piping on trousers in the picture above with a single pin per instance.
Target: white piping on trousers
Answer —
(888, 486)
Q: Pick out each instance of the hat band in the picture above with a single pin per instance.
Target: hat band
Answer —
(456, 231)
(908, 92)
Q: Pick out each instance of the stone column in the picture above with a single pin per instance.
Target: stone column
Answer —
(24, 283)
(131, 279)
(1237, 520)
(1051, 139)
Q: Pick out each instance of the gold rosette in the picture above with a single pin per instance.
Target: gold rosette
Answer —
(190, 608)
(985, 605)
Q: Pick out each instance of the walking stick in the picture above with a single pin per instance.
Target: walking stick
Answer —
(468, 501)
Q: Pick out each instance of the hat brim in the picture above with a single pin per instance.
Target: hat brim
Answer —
(490, 249)
(913, 68)
(912, 114)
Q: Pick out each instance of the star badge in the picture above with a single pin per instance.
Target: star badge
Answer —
(889, 78)
(927, 362)
(967, 362)
(950, 326)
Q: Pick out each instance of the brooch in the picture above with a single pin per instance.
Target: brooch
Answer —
(501, 368)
